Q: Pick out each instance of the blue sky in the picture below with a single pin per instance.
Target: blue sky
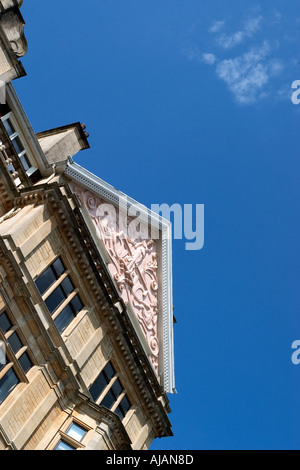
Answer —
(189, 102)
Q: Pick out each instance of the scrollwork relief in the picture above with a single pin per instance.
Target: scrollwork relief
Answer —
(133, 262)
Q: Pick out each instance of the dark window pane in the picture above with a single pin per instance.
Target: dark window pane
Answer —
(55, 299)
(14, 342)
(125, 404)
(117, 388)
(18, 145)
(119, 412)
(98, 386)
(123, 407)
(67, 286)
(9, 127)
(7, 384)
(58, 267)
(5, 323)
(76, 304)
(63, 446)
(109, 371)
(108, 400)
(64, 318)
(45, 280)
(25, 362)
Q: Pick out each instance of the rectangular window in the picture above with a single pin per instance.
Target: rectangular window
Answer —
(5, 323)
(25, 362)
(108, 391)
(59, 294)
(48, 277)
(9, 126)
(15, 342)
(76, 432)
(64, 446)
(7, 384)
(71, 439)
(15, 352)
(123, 407)
(17, 143)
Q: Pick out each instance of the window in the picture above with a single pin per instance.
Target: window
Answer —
(76, 432)
(71, 438)
(16, 140)
(17, 360)
(59, 294)
(64, 446)
(108, 391)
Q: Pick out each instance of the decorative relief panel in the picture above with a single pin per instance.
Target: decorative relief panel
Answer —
(133, 256)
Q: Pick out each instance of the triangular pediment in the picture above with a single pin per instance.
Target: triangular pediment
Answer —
(137, 249)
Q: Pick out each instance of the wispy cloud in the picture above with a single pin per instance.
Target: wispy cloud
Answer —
(254, 71)
(208, 58)
(251, 26)
(248, 75)
(192, 52)
(217, 26)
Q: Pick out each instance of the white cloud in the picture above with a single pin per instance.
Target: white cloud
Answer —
(253, 74)
(251, 26)
(192, 52)
(208, 58)
(247, 76)
(228, 41)
(216, 26)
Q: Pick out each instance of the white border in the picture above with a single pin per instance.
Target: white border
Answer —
(108, 192)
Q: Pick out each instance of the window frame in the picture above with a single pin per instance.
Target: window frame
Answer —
(68, 298)
(25, 153)
(13, 357)
(124, 393)
(64, 437)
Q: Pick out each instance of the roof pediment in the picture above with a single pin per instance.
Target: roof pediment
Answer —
(137, 249)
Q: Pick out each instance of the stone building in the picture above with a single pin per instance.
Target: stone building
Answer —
(86, 315)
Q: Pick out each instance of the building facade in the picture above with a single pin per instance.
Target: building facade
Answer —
(86, 314)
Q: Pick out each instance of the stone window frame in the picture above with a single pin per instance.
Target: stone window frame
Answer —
(64, 437)
(11, 356)
(123, 394)
(24, 153)
(51, 289)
